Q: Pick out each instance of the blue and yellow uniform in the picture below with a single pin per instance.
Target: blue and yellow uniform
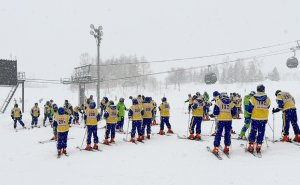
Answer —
(259, 105)
(61, 123)
(190, 100)
(154, 112)
(224, 109)
(78, 109)
(111, 116)
(35, 113)
(92, 117)
(136, 113)
(198, 108)
(16, 115)
(147, 118)
(164, 109)
(238, 103)
(47, 112)
(286, 104)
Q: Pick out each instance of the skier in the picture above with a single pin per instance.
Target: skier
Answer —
(103, 105)
(164, 109)
(16, 115)
(54, 112)
(238, 103)
(247, 116)
(111, 116)
(69, 109)
(92, 117)
(61, 124)
(139, 99)
(198, 108)
(136, 113)
(224, 109)
(259, 105)
(35, 114)
(206, 110)
(147, 118)
(154, 113)
(47, 109)
(216, 96)
(51, 103)
(121, 108)
(190, 100)
(78, 109)
(286, 104)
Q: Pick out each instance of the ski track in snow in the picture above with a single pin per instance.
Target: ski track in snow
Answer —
(160, 160)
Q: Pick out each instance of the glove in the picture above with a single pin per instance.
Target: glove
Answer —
(21, 117)
(12, 117)
(275, 110)
(211, 115)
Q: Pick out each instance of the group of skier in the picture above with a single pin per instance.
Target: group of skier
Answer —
(256, 112)
(142, 112)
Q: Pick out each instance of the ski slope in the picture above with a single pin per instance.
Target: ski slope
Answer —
(160, 160)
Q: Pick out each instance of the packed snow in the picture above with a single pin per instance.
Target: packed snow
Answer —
(160, 160)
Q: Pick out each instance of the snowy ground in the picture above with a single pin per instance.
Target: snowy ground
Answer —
(161, 160)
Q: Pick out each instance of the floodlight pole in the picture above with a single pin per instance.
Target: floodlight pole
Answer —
(97, 33)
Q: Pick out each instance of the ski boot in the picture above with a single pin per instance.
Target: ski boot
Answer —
(154, 122)
(44, 124)
(88, 147)
(143, 138)
(170, 131)
(226, 149)
(251, 147)
(214, 134)
(35, 126)
(24, 127)
(112, 140)
(285, 139)
(148, 136)
(77, 121)
(232, 132)
(297, 138)
(118, 130)
(216, 150)
(132, 140)
(58, 151)
(242, 137)
(64, 150)
(207, 118)
(55, 137)
(95, 146)
(191, 136)
(161, 132)
(139, 138)
(258, 147)
(198, 136)
(31, 126)
(105, 142)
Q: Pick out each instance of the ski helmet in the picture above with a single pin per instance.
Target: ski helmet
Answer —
(130, 97)
(189, 95)
(92, 105)
(61, 111)
(164, 99)
(216, 93)
(36, 104)
(260, 88)
(121, 100)
(198, 93)
(135, 102)
(147, 100)
(55, 108)
(277, 92)
(16, 105)
(111, 102)
(252, 93)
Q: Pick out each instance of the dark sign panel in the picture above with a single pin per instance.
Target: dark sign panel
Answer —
(8, 72)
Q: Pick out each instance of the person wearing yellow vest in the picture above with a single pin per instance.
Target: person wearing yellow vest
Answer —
(35, 114)
(55, 113)
(78, 109)
(198, 108)
(237, 100)
(286, 104)
(16, 115)
(69, 109)
(92, 117)
(147, 118)
(224, 109)
(164, 109)
(154, 113)
(216, 96)
(111, 116)
(47, 113)
(136, 113)
(259, 105)
(61, 123)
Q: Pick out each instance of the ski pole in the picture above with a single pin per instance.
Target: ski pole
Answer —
(273, 127)
(84, 136)
(187, 132)
(127, 128)
(212, 125)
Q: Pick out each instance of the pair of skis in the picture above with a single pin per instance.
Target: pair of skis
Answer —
(217, 154)
(49, 141)
(254, 153)
(59, 155)
(185, 137)
(91, 150)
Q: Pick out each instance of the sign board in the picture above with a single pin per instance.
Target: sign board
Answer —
(8, 72)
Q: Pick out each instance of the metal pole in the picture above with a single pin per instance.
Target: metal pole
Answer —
(23, 97)
(98, 72)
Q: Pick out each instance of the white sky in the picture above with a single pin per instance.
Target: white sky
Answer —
(49, 36)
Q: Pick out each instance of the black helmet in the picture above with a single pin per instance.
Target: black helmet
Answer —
(55, 107)
(111, 102)
(164, 99)
(121, 100)
(47, 103)
(198, 93)
(51, 100)
(139, 95)
(36, 104)
(130, 97)
(277, 92)
(82, 105)
(16, 105)
(194, 97)
(189, 95)
(260, 88)
(66, 101)
(234, 94)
